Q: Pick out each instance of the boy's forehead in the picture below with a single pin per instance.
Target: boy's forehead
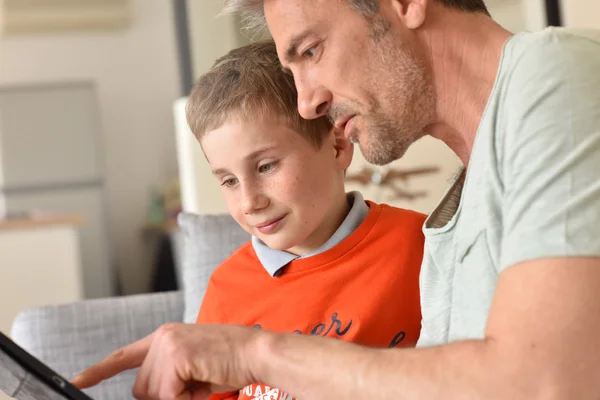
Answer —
(244, 138)
(253, 123)
(243, 134)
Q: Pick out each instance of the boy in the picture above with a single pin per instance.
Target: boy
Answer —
(320, 262)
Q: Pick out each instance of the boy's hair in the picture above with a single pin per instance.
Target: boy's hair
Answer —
(247, 84)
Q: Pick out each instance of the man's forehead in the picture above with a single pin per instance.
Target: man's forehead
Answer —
(290, 8)
(289, 21)
(289, 16)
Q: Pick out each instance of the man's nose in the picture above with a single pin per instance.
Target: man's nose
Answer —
(313, 103)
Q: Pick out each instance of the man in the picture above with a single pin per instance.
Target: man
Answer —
(509, 287)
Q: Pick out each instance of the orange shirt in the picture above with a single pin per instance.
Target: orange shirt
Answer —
(364, 290)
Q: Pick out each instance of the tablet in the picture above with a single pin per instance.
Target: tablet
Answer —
(24, 377)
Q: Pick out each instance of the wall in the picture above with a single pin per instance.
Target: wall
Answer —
(581, 13)
(211, 35)
(518, 15)
(529, 14)
(136, 74)
(2, 199)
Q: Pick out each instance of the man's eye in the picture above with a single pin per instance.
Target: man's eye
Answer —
(266, 167)
(230, 182)
(309, 53)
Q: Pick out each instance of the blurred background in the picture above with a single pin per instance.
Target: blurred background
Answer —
(96, 159)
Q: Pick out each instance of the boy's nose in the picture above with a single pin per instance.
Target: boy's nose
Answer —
(253, 201)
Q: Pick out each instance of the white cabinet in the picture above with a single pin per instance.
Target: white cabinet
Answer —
(39, 265)
(51, 159)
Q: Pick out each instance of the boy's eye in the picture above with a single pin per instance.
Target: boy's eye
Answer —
(266, 167)
(230, 182)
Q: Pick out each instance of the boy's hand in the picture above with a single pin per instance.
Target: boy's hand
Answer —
(181, 361)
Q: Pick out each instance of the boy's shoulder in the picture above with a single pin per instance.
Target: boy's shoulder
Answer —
(399, 218)
(243, 258)
(394, 233)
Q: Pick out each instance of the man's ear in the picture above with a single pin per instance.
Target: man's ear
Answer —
(411, 12)
(344, 149)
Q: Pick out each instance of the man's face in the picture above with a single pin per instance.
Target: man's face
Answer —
(365, 72)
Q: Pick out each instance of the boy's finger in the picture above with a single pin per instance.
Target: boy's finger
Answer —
(128, 357)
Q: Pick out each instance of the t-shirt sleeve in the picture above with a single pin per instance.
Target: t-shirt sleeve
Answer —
(551, 157)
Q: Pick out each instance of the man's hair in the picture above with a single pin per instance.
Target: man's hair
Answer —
(253, 14)
(247, 84)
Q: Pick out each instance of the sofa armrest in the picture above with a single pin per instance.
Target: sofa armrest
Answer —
(71, 337)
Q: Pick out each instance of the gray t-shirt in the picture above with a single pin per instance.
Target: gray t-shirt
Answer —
(532, 188)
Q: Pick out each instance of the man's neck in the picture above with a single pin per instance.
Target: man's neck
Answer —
(465, 51)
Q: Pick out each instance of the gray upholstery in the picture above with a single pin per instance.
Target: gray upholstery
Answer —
(208, 241)
(71, 337)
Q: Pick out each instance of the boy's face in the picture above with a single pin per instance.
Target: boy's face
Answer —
(277, 185)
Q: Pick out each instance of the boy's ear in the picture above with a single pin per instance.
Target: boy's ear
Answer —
(343, 148)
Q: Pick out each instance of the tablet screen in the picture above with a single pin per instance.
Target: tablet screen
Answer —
(23, 377)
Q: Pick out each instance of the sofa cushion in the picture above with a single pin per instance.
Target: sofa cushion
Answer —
(208, 241)
(71, 337)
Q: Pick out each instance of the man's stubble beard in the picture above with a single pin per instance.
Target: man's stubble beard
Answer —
(409, 100)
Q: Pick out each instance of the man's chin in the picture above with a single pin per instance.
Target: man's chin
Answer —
(383, 153)
(379, 158)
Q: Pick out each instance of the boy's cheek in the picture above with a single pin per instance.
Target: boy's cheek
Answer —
(233, 205)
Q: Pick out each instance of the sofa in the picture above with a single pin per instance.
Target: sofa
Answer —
(71, 337)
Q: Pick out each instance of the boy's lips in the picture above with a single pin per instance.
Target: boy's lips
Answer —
(269, 226)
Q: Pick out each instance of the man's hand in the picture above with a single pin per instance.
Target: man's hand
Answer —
(182, 361)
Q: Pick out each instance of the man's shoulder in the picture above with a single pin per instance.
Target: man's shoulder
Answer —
(577, 35)
(549, 84)
(563, 35)
(553, 45)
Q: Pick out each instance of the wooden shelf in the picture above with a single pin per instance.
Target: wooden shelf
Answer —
(40, 221)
